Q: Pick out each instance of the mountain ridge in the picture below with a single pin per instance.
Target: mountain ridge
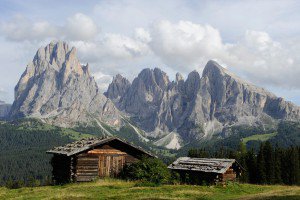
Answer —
(200, 106)
(56, 88)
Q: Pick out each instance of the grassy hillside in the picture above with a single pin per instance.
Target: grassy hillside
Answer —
(259, 137)
(117, 189)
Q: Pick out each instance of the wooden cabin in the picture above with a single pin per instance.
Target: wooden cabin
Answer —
(206, 170)
(90, 158)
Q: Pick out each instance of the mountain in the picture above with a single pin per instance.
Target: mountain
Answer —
(151, 109)
(117, 88)
(4, 109)
(55, 87)
(178, 112)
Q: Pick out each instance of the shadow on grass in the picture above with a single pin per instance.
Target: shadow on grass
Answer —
(289, 197)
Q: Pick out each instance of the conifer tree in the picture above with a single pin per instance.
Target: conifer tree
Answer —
(261, 170)
(269, 162)
(294, 166)
(277, 165)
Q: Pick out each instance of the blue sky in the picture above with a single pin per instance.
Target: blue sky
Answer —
(258, 40)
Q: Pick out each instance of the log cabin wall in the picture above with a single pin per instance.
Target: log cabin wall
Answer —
(199, 178)
(91, 158)
(229, 175)
(129, 158)
(102, 161)
(86, 167)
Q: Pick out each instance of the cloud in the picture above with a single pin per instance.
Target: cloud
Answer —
(76, 27)
(2, 90)
(185, 45)
(3, 94)
(113, 47)
(80, 27)
(182, 45)
(102, 80)
(264, 60)
(20, 29)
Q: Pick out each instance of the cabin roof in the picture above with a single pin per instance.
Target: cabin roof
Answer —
(89, 143)
(209, 165)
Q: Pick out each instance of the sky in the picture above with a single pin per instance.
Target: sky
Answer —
(257, 40)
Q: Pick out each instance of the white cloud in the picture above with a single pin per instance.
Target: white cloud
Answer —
(181, 46)
(142, 35)
(77, 27)
(185, 45)
(80, 27)
(102, 80)
(112, 47)
(20, 28)
(265, 61)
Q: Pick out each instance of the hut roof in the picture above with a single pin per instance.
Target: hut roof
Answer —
(89, 143)
(209, 165)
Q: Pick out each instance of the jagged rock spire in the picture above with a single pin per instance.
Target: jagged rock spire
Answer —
(57, 88)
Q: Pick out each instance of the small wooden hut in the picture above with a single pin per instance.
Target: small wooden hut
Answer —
(89, 158)
(206, 170)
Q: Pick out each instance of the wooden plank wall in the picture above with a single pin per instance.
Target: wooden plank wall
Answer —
(229, 175)
(87, 167)
(103, 161)
(110, 165)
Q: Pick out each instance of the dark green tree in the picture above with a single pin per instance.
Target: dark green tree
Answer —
(277, 165)
(150, 170)
(251, 166)
(269, 162)
(261, 169)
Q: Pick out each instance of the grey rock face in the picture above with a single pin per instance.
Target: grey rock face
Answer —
(117, 88)
(4, 109)
(58, 89)
(200, 106)
(142, 99)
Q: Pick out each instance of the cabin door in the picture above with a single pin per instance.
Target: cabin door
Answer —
(110, 165)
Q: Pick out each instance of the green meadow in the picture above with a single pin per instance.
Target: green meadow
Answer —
(259, 137)
(118, 189)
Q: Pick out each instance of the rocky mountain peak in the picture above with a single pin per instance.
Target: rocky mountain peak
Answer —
(58, 89)
(53, 53)
(213, 69)
(192, 82)
(117, 87)
(153, 78)
(178, 77)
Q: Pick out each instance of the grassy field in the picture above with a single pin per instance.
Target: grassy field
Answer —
(260, 137)
(117, 189)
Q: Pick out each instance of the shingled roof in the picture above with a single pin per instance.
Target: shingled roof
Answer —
(209, 165)
(89, 143)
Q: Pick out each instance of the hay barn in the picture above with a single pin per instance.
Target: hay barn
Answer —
(206, 170)
(90, 158)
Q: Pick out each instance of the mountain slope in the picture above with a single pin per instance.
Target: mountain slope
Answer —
(4, 109)
(57, 88)
(199, 107)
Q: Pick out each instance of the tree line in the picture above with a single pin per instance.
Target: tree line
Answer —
(269, 165)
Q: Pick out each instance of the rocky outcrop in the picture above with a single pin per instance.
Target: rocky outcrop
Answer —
(199, 107)
(117, 88)
(142, 99)
(4, 109)
(57, 88)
